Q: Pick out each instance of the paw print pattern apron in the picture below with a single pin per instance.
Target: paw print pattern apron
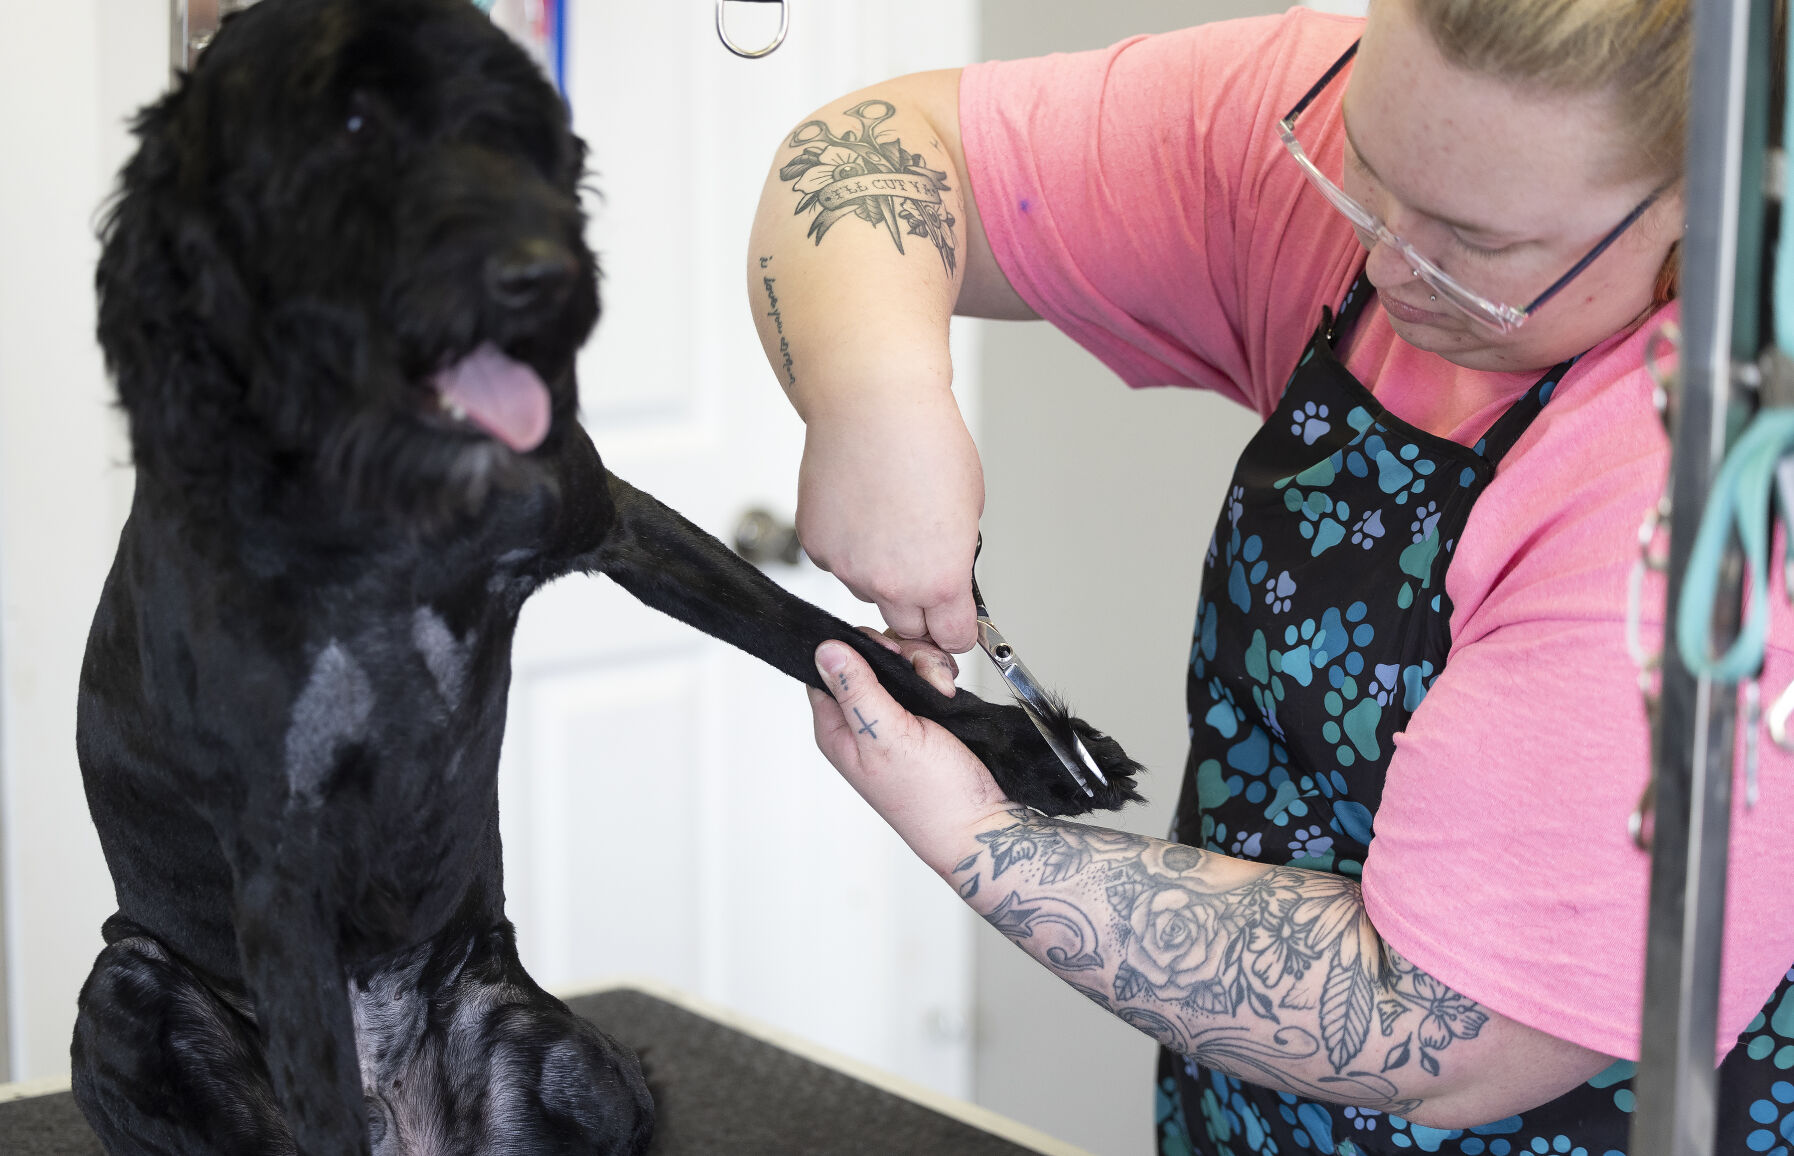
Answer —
(1322, 623)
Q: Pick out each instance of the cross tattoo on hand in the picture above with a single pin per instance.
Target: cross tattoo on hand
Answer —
(865, 727)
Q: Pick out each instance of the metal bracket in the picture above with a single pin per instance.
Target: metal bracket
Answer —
(192, 24)
(722, 28)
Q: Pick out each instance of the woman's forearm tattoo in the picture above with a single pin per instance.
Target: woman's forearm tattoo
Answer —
(1154, 934)
(868, 174)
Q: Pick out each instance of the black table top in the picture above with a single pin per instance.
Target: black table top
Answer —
(717, 1090)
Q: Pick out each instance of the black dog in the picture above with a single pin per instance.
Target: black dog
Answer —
(341, 293)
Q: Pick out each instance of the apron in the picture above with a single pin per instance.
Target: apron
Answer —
(1323, 620)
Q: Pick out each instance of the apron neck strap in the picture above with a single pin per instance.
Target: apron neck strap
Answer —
(1507, 429)
(1501, 436)
(1339, 324)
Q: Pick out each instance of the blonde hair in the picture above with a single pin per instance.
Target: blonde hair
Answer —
(1635, 52)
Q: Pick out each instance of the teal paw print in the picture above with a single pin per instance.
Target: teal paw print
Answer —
(1353, 726)
(1401, 472)
(1307, 649)
(1323, 519)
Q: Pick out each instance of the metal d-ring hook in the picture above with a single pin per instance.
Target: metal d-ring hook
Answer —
(722, 28)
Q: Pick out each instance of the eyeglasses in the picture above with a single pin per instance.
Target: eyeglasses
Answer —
(1503, 318)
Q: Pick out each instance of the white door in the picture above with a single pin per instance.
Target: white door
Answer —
(664, 809)
(665, 812)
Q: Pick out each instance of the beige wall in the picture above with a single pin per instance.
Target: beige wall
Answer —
(1101, 502)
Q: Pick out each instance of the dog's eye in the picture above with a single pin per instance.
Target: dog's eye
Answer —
(363, 116)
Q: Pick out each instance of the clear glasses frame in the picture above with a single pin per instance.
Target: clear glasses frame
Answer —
(1500, 317)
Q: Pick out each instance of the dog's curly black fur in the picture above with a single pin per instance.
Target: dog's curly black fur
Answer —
(294, 691)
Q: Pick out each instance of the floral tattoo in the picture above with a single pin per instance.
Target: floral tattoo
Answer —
(1168, 947)
(868, 174)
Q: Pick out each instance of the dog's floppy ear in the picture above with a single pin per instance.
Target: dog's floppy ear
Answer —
(175, 321)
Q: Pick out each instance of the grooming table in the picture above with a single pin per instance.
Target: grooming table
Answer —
(721, 1084)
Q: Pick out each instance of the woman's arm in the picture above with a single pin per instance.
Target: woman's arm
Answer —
(866, 241)
(1271, 974)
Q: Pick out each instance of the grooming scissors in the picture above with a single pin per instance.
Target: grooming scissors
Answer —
(1052, 723)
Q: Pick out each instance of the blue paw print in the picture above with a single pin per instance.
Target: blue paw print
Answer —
(1235, 507)
(1383, 687)
(1416, 681)
(1310, 841)
(1311, 423)
(1368, 529)
(1224, 716)
(1240, 580)
(1278, 591)
(1244, 846)
(1426, 519)
(1363, 1119)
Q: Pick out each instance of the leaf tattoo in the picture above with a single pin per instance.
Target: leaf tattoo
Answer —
(870, 175)
(1129, 984)
(1346, 1005)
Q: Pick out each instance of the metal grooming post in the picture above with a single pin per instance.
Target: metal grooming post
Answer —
(1722, 268)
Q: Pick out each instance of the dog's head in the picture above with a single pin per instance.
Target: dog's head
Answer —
(348, 255)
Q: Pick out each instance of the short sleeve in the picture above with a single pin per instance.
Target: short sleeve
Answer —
(1501, 862)
(1139, 198)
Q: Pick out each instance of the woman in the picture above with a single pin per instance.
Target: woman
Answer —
(1429, 249)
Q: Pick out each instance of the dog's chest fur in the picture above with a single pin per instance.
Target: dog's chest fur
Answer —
(371, 689)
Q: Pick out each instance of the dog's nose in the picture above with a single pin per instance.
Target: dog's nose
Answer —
(533, 274)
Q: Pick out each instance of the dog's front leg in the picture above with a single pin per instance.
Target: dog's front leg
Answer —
(670, 564)
(289, 925)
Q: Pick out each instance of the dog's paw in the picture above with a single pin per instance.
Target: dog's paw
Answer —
(1029, 772)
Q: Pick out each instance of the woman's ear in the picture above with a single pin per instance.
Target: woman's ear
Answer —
(174, 318)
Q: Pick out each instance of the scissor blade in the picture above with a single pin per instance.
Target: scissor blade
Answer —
(1068, 747)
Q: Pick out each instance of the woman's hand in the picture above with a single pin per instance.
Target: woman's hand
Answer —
(888, 498)
(914, 773)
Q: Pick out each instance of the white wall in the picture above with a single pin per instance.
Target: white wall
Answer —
(69, 72)
(1100, 503)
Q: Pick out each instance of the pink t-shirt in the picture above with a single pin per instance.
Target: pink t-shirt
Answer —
(1138, 197)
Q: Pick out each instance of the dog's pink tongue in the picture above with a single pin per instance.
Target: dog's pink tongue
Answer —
(501, 396)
